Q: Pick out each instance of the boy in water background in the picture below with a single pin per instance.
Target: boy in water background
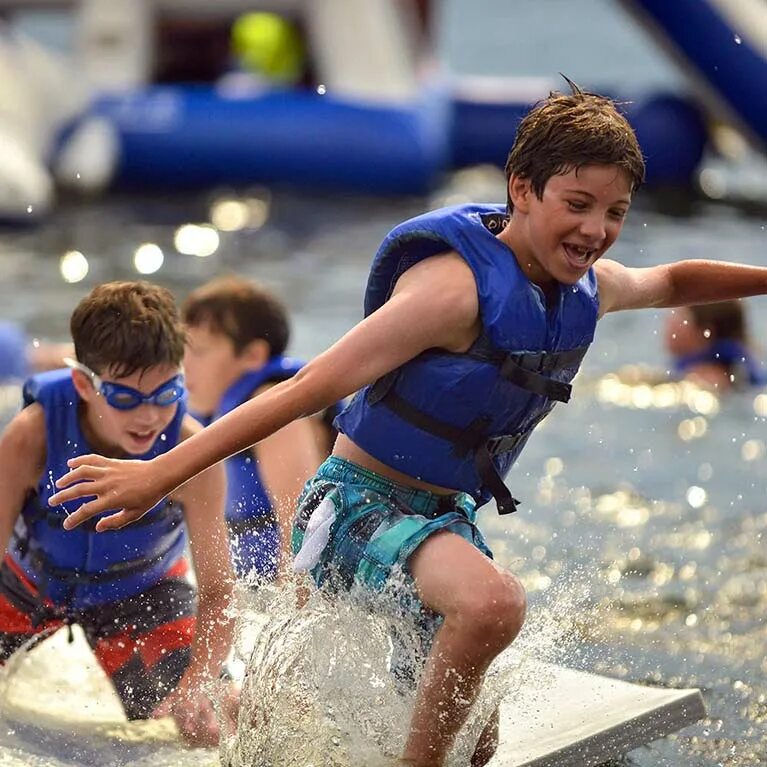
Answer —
(237, 334)
(710, 346)
(477, 318)
(160, 640)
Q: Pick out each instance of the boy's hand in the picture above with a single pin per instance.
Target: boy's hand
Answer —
(192, 711)
(131, 487)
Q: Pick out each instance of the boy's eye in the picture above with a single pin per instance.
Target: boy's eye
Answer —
(124, 398)
(618, 214)
(576, 205)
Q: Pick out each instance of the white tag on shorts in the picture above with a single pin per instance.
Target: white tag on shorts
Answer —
(316, 536)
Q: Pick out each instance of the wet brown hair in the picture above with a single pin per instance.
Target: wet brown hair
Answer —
(243, 310)
(122, 327)
(567, 131)
(724, 320)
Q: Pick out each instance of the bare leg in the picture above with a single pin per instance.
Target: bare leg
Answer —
(487, 743)
(483, 607)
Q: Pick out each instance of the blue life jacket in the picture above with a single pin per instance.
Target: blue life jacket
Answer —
(460, 420)
(80, 568)
(254, 533)
(731, 355)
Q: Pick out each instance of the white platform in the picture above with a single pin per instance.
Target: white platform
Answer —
(578, 719)
(59, 703)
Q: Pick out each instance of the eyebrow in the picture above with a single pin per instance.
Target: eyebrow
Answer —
(622, 201)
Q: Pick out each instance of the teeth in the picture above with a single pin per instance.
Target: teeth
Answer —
(583, 254)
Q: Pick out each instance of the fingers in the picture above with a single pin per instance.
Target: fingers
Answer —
(116, 521)
(89, 460)
(196, 720)
(202, 732)
(85, 512)
(83, 473)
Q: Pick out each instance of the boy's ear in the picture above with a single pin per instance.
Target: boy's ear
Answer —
(83, 385)
(256, 354)
(520, 191)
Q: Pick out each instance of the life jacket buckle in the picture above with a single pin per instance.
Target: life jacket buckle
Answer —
(504, 444)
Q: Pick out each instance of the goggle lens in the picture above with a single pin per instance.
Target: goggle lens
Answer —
(126, 398)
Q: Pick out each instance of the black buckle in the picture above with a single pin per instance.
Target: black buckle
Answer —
(504, 444)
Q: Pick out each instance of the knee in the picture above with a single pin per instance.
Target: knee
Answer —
(495, 612)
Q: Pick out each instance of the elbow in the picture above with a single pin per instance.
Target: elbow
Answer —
(310, 392)
(671, 290)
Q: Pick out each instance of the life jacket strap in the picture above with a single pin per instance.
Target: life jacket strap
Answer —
(471, 439)
(76, 577)
(513, 372)
(531, 370)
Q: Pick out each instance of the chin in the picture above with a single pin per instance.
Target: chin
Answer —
(570, 278)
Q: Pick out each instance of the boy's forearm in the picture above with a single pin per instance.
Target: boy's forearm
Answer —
(213, 636)
(699, 282)
(229, 435)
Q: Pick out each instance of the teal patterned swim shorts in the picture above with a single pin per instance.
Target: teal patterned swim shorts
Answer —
(357, 528)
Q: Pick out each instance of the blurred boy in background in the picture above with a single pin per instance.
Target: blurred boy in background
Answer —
(709, 345)
(237, 334)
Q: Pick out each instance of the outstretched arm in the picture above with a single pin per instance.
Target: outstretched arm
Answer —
(434, 305)
(681, 283)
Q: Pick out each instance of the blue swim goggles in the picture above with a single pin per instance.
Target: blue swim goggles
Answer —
(126, 397)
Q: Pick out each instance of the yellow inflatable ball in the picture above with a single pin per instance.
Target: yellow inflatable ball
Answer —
(269, 45)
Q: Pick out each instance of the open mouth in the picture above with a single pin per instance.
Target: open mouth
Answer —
(578, 255)
(142, 437)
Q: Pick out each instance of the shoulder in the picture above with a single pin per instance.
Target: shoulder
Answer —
(30, 423)
(26, 436)
(444, 279)
(611, 279)
(607, 271)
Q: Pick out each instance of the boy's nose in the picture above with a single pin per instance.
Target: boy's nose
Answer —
(593, 227)
(148, 415)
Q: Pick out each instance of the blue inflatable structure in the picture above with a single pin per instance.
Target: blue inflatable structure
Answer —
(196, 136)
(373, 125)
(723, 43)
(671, 130)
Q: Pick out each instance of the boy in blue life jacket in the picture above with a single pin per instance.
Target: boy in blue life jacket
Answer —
(158, 638)
(237, 334)
(709, 345)
(477, 317)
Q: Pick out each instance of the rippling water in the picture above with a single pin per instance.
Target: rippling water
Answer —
(640, 537)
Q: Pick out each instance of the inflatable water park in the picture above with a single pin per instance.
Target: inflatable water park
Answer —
(338, 95)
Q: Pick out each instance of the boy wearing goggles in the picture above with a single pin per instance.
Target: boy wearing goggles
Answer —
(157, 638)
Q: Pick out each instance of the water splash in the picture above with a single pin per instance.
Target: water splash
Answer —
(330, 683)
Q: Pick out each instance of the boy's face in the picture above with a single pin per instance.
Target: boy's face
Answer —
(211, 366)
(682, 334)
(579, 217)
(134, 431)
